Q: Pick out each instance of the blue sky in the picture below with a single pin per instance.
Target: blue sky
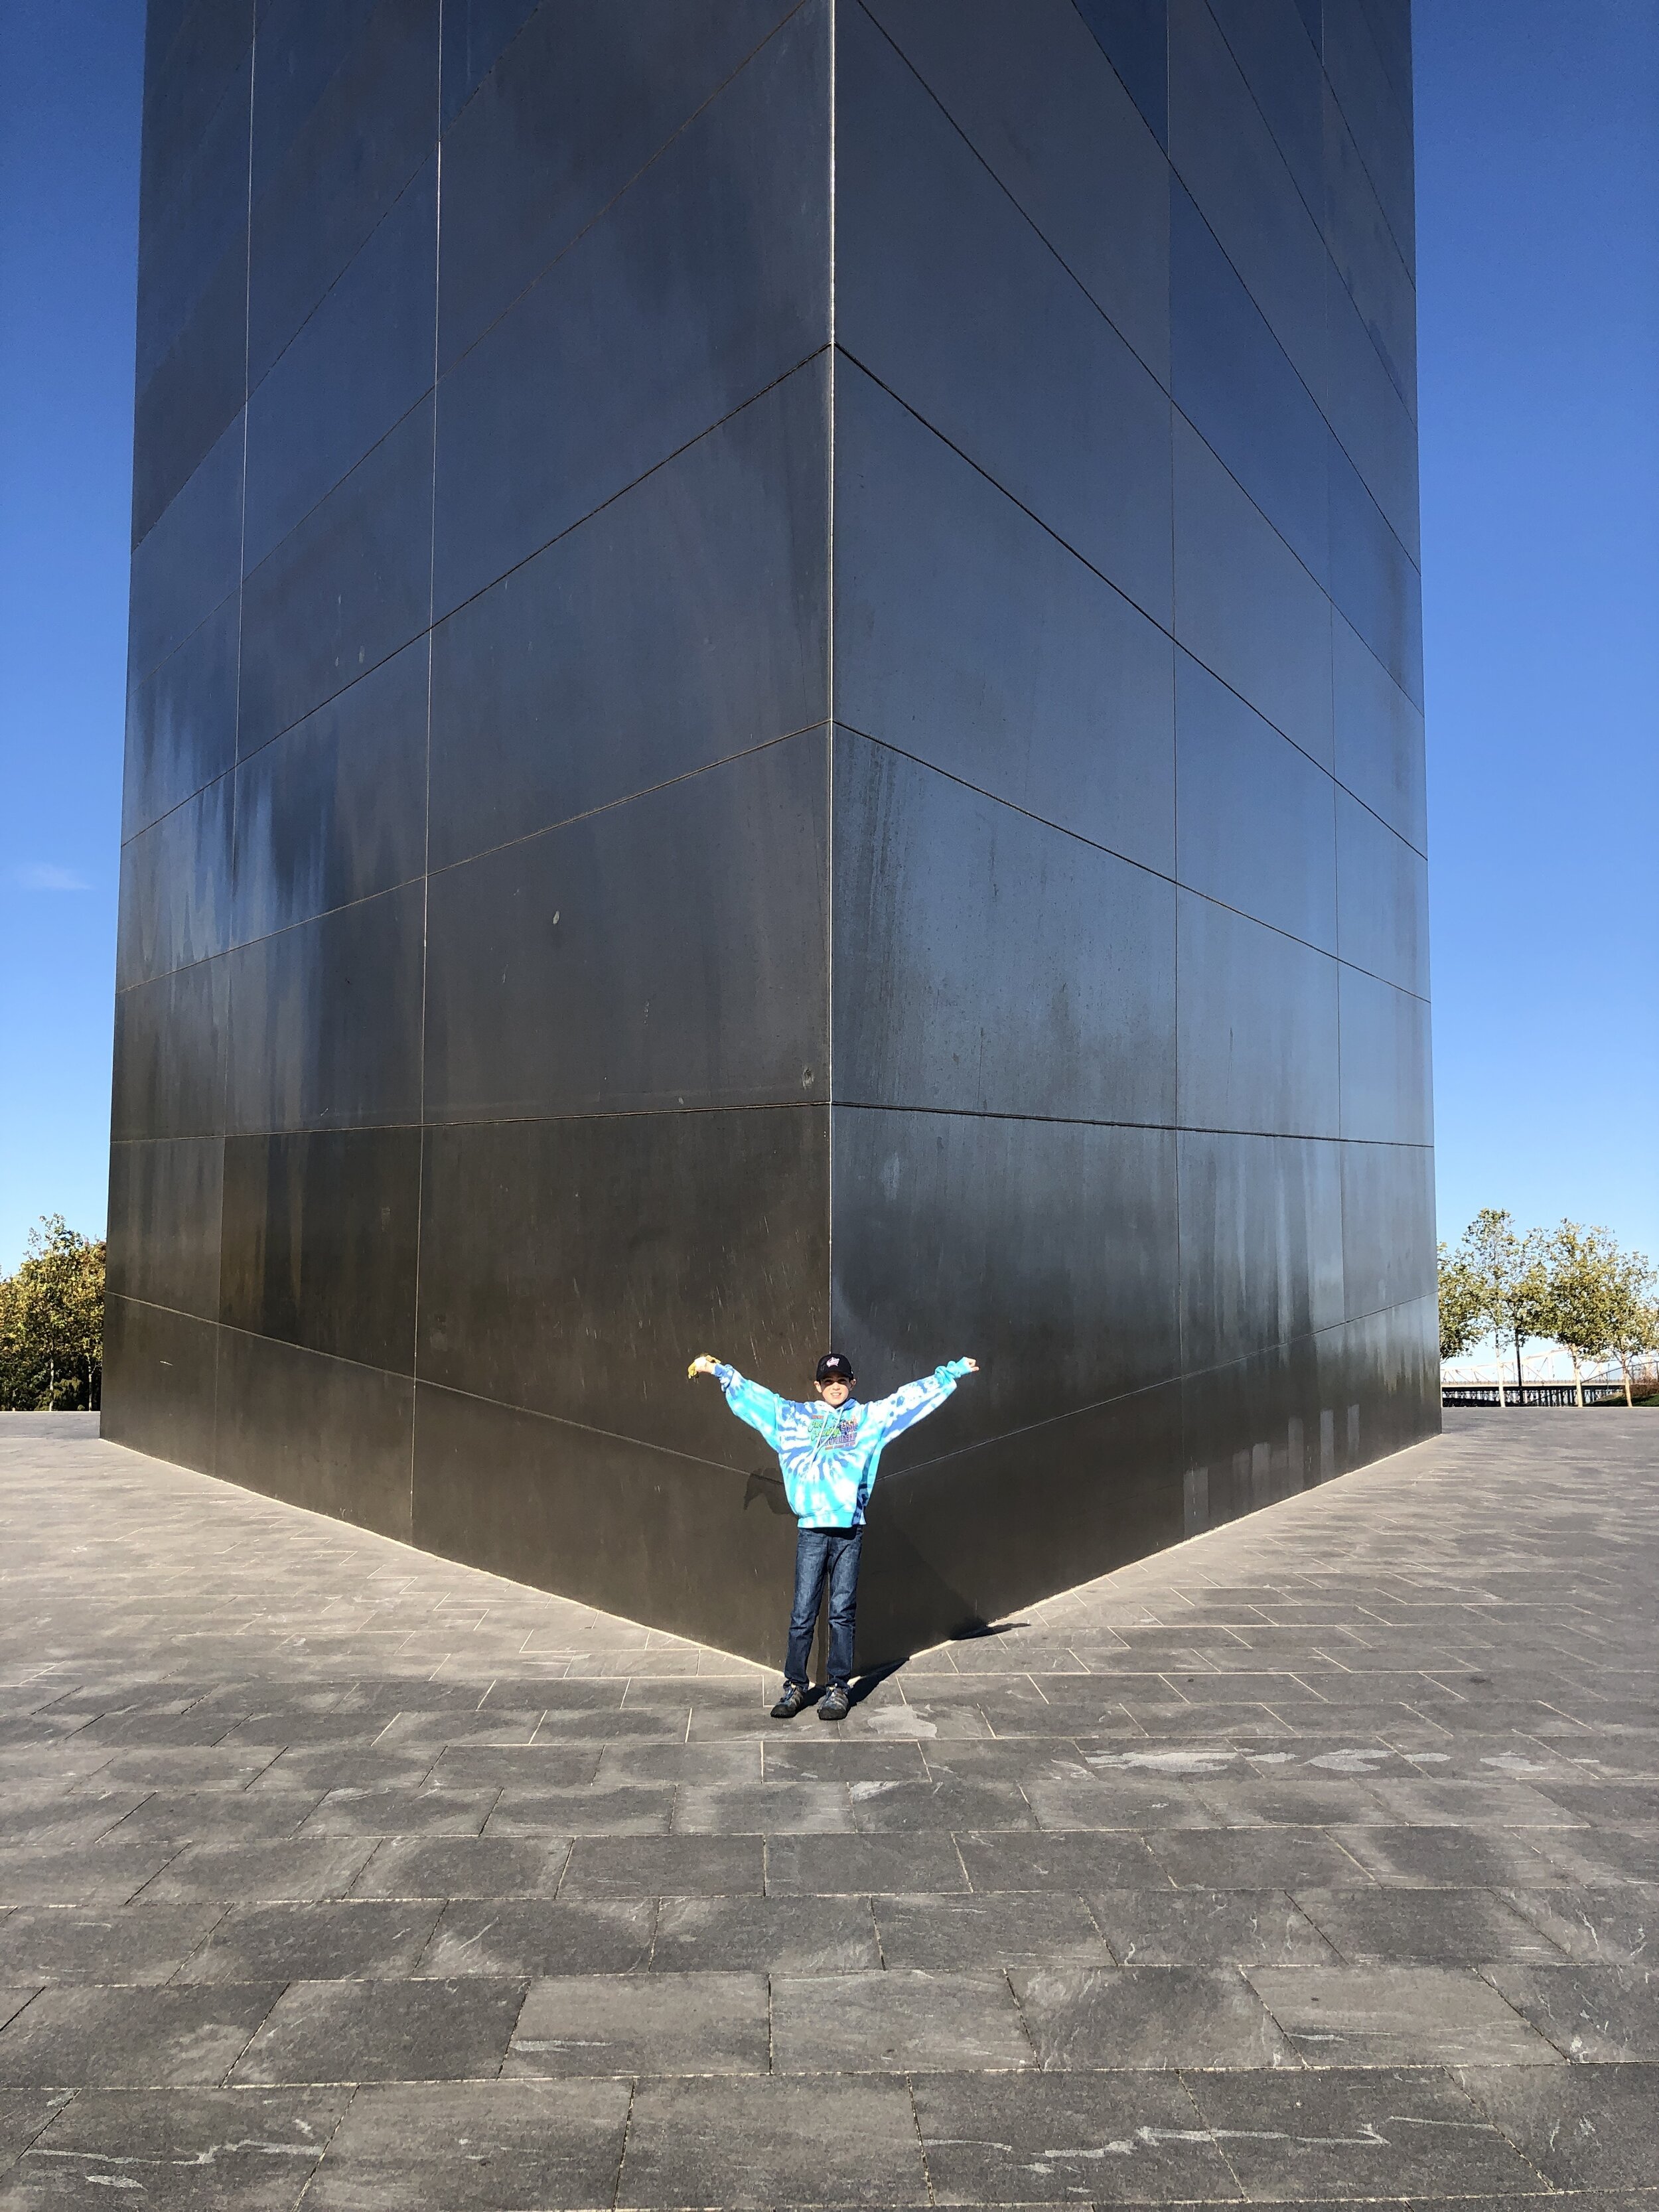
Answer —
(1538, 248)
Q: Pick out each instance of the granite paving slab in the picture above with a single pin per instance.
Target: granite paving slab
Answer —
(1314, 1861)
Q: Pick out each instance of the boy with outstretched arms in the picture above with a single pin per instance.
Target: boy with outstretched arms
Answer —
(829, 1453)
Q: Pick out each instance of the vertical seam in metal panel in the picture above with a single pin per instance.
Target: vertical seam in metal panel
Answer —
(425, 804)
(829, 746)
(236, 735)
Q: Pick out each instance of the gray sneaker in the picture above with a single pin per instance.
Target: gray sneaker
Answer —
(835, 1705)
(790, 1702)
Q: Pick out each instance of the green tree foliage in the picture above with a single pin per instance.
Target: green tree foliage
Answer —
(1508, 1277)
(1587, 1294)
(1636, 1335)
(52, 1323)
(1463, 1315)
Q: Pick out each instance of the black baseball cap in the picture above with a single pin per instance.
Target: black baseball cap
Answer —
(835, 1367)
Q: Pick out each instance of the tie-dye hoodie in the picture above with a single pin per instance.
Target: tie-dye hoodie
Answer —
(829, 1456)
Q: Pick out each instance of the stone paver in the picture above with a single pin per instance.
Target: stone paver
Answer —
(1314, 1861)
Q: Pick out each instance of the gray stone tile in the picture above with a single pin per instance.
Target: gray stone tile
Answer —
(1370, 2132)
(831, 1757)
(465, 1866)
(518, 1766)
(1377, 2016)
(900, 2022)
(1614, 1926)
(23, 2114)
(403, 1813)
(1208, 1928)
(1057, 2138)
(181, 2149)
(131, 2038)
(1430, 1927)
(855, 1866)
(689, 2023)
(765, 1935)
(643, 1810)
(664, 1866)
(1581, 2127)
(1491, 1804)
(1445, 1857)
(410, 2031)
(1606, 2013)
(964, 1935)
(504, 1938)
(1075, 1863)
(941, 1804)
(1098, 1802)
(98, 1874)
(1114, 2019)
(304, 1868)
(737, 1761)
(1297, 1801)
(90, 1943)
(14, 1997)
(475, 2147)
(1256, 1858)
(756, 2142)
(362, 1940)
(1597, 1855)
(765, 1808)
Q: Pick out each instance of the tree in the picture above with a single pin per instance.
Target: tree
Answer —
(1635, 1330)
(1509, 1279)
(52, 1323)
(1463, 1320)
(1585, 1295)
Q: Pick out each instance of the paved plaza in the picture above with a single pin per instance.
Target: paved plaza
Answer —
(1313, 1860)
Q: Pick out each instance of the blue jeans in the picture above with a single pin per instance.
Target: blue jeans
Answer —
(820, 1551)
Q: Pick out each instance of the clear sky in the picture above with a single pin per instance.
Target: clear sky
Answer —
(1538, 247)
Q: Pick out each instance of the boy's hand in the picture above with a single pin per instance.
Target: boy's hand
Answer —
(702, 1364)
(972, 1365)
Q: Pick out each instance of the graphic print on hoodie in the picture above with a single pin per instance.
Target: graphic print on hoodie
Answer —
(830, 1455)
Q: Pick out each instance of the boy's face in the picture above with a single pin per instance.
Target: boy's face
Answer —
(835, 1392)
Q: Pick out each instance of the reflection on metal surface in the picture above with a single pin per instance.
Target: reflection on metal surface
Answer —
(679, 796)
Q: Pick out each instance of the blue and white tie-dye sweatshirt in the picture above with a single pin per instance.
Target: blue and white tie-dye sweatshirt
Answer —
(829, 1455)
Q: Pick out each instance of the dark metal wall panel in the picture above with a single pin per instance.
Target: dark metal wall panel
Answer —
(1047, 1250)
(1036, 97)
(664, 953)
(577, 105)
(315, 1432)
(160, 1380)
(320, 1231)
(700, 1548)
(682, 799)
(967, 635)
(683, 624)
(701, 285)
(574, 1267)
(165, 1195)
(989, 964)
(946, 295)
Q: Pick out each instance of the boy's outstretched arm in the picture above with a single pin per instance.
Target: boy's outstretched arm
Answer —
(761, 1408)
(913, 1401)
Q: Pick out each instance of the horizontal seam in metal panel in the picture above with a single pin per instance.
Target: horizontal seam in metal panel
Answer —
(1146, 866)
(436, 622)
(1148, 1389)
(440, 1127)
(1128, 599)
